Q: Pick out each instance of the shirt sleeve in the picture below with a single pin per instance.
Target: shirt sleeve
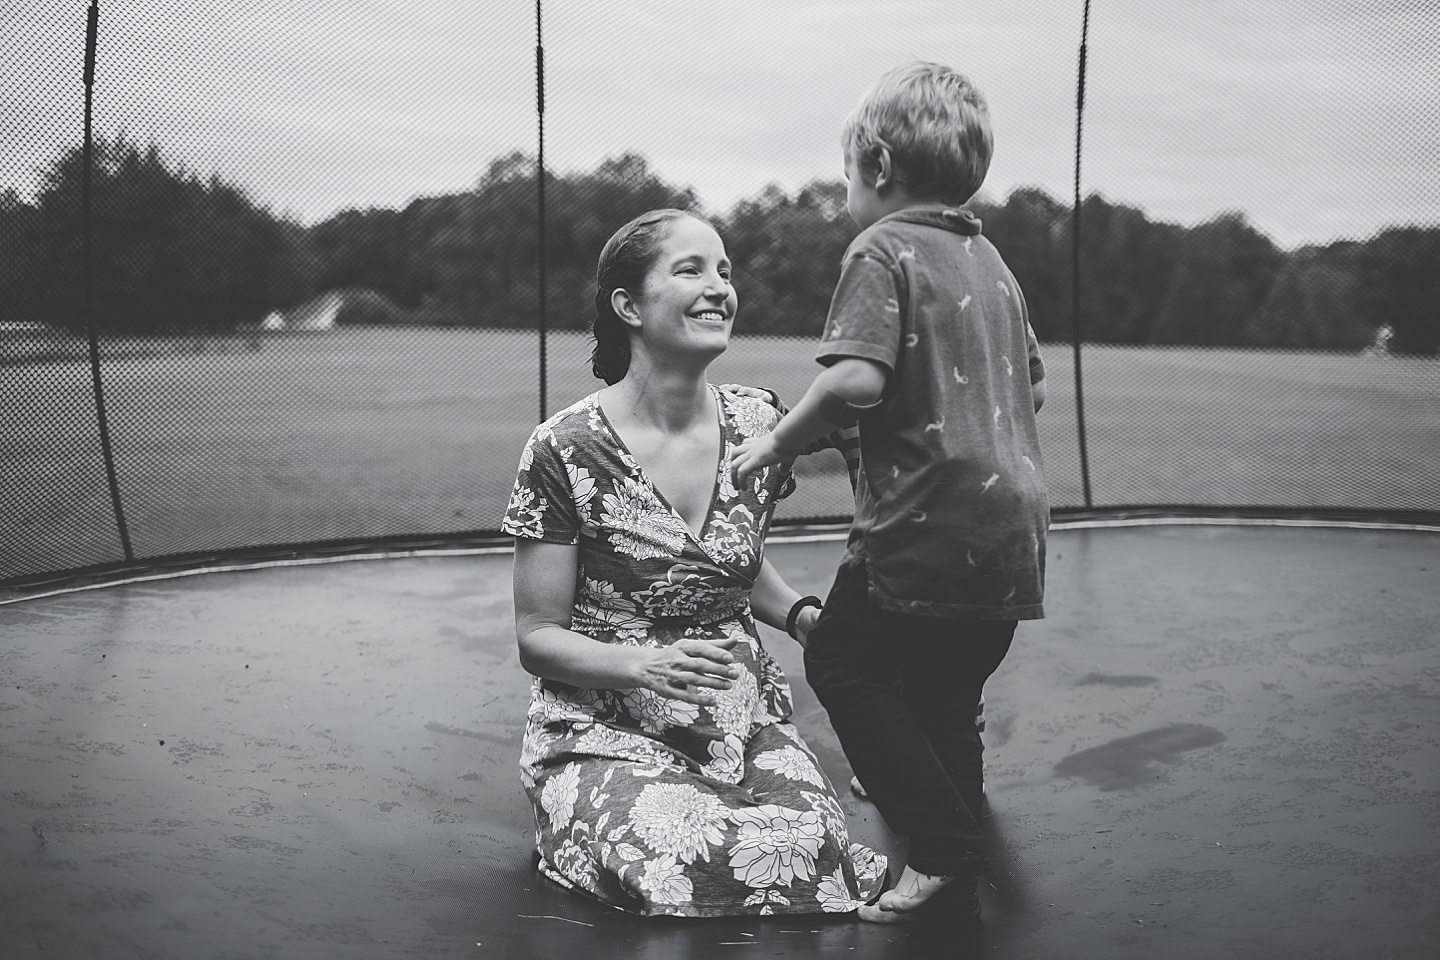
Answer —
(1032, 346)
(865, 313)
(1037, 365)
(542, 503)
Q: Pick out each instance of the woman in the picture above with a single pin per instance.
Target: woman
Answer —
(659, 755)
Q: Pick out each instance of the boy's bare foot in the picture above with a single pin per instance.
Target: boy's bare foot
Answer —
(898, 905)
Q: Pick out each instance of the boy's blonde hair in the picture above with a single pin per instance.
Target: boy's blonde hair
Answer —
(935, 124)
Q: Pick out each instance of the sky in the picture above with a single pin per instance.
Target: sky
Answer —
(1317, 119)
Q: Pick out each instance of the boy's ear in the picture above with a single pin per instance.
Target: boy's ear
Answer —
(624, 306)
(884, 166)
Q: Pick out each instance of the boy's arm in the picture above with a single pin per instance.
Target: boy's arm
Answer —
(835, 399)
(1037, 389)
(845, 440)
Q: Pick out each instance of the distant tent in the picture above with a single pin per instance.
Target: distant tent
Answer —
(315, 314)
(355, 305)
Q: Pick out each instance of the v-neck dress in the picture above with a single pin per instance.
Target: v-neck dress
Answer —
(654, 805)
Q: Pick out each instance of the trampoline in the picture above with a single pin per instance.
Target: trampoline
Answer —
(259, 689)
(1221, 743)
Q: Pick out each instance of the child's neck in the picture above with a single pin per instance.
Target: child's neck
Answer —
(897, 197)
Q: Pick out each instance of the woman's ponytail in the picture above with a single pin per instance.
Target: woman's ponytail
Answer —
(611, 357)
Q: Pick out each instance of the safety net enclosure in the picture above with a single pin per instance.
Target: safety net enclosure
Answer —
(303, 280)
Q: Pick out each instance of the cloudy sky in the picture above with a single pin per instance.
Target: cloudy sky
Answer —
(1317, 118)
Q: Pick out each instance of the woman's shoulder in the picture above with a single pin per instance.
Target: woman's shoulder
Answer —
(750, 416)
(581, 419)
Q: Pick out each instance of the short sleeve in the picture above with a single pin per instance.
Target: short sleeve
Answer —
(1032, 346)
(1037, 365)
(542, 506)
(865, 313)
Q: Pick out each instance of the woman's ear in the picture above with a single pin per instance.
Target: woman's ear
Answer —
(624, 306)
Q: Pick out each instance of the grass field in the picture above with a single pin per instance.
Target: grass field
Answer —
(367, 432)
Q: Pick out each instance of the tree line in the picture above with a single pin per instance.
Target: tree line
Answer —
(174, 251)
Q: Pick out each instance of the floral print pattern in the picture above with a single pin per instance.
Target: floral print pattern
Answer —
(640, 524)
(776, 845)
(677, 819)
(792, 763)
(652, 805)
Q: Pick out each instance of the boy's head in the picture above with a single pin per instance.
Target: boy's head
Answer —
(924, 128)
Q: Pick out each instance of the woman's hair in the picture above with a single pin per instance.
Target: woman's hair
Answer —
(625, 260)
(935, 124)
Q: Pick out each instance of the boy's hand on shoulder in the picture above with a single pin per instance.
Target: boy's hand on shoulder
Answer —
(752, 456)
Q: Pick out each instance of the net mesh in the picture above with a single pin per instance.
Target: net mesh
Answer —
(315, 240)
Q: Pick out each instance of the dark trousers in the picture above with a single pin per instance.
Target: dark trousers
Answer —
(901, 691)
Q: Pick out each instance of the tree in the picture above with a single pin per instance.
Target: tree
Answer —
(1313, 303)
(19, 223)
(1032, 232)
(473, 258)
(1222, 273)
(174, 251)
(1399, 285)
(787, 253)
(169, 251)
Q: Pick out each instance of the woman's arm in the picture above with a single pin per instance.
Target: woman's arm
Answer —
(544, 585)
(771, 599)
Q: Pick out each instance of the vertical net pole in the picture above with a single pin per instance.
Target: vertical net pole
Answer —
(1075, 261)
(86, 151)
(540, 204)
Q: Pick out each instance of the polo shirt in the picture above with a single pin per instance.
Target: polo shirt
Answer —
(951, 509)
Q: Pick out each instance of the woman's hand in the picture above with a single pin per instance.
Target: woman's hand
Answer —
(687, 669)
(754, 393)
(805, 622)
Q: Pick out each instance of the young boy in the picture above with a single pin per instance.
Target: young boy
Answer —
(929, 347)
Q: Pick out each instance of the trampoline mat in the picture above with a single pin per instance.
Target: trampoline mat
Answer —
(1220, 743)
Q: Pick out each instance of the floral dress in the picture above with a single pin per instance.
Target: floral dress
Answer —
(653, 805)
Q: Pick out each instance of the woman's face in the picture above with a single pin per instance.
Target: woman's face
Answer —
(687, 303)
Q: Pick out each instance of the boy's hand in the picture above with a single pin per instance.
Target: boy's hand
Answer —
(753, 456)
